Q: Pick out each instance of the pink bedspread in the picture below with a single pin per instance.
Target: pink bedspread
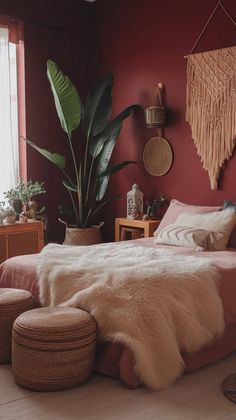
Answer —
(20, 273)
(112, 358)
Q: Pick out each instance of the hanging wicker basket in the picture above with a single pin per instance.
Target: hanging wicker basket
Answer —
(155, 116)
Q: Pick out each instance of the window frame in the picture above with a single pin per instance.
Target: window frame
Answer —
(16, 36)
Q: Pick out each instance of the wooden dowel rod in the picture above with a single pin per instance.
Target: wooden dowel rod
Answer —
(217, 49)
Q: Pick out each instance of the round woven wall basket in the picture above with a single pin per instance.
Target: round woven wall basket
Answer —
(157, 156)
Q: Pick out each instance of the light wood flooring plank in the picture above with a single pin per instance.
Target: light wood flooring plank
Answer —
(194, 396)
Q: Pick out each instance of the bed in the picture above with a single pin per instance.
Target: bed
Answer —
(113, 358)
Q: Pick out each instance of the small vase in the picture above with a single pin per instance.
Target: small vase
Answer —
(9, 219)
(23, 217)
(32, 209)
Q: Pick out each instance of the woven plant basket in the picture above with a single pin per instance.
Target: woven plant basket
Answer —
(79, 236)
(12, 303)
(53, 348)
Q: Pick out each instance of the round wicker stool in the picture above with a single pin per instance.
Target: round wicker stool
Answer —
(12, 303)
(53, 348)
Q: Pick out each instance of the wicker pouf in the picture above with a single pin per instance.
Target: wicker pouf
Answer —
(53, 348)
(12, 303)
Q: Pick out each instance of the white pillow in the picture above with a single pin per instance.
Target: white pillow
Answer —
(183, 236)
(219, 223)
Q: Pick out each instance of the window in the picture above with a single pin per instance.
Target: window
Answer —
(9, 104)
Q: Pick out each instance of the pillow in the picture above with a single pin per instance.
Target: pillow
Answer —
(183, 236)
(176, 208)
(232, 240)
(221, 223)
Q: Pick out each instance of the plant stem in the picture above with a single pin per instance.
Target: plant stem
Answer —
(87, 218)
(75, 209)
(105, 202)
(99, 207)
(86, 156)
(71, 196)
(78, 179)
(80, 196)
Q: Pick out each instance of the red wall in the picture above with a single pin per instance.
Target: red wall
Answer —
(70, 49)
(142, 43)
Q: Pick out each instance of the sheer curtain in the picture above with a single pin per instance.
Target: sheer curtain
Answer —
(9, 137)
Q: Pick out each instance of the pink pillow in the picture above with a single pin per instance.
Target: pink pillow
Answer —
(176, 208)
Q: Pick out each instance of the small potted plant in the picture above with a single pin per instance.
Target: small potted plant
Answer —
(20, 197)
(9, 215)
(12, 196)
(154, 206)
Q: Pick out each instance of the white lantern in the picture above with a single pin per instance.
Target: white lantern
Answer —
(134, 203)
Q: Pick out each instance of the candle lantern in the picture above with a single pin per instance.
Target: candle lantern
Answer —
(135, 203)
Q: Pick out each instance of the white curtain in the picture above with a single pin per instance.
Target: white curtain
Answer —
(9, 137)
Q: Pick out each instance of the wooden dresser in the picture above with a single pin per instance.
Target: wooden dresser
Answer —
(21, 239)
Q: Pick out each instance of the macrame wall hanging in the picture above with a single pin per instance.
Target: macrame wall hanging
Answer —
(211, 104)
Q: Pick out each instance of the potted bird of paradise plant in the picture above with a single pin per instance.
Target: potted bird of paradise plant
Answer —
(91, 169)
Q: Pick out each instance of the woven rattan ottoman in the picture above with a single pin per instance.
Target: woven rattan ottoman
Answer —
(53, 348)
(12, 303)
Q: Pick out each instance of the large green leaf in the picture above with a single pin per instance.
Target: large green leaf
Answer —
(101, 165)
(103, 179)
(66, 97)
(111, 130)
(97, 109)
(116, 168)
(101, 187)
(57, 159)
(103, 159)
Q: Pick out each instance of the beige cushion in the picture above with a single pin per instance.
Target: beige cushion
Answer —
(219, 223)
(183, 236)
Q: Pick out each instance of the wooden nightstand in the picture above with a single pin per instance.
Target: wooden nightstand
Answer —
(21, 239)
(146, 227)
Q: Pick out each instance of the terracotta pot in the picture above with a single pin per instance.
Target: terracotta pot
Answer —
(82, 236)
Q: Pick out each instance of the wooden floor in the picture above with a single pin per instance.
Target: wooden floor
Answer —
(194, 396)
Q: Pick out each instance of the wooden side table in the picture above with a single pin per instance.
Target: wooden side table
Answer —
(21, 239)
(146, 227)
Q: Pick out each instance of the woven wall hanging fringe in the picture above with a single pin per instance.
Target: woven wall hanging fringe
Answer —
(211, 107)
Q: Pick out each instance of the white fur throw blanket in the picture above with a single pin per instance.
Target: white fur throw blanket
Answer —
(156, 302)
